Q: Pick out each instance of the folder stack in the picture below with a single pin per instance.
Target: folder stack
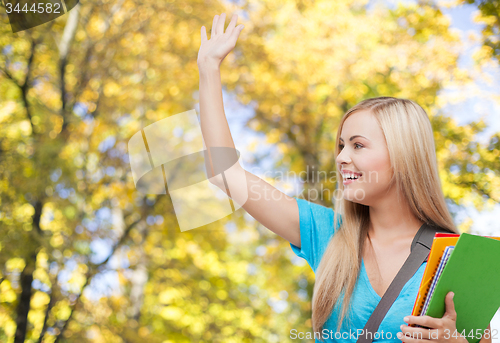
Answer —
(469, 266)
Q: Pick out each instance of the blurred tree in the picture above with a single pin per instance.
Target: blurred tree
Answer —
(73, 91)
(490, 17)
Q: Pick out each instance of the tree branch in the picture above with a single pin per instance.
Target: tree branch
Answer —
(47, 312)
(64, 46)
(92, 271)
(25, 86)
(9, 75)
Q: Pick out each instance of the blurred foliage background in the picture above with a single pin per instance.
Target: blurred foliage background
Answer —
(84, 257)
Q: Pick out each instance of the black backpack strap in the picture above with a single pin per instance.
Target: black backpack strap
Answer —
(419, 252)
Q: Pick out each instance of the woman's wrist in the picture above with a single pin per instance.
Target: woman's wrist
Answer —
(208, 65)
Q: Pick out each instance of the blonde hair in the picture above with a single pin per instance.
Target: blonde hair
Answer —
(410, 142)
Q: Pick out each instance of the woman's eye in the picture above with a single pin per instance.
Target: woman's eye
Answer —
(341, 146)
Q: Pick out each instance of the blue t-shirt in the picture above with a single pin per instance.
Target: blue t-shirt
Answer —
(316, 230)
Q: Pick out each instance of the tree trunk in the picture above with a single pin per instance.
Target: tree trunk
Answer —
(25, 300)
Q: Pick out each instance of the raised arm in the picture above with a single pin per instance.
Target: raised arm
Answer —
(272, 208)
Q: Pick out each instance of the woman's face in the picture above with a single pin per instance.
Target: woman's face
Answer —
(363, 150)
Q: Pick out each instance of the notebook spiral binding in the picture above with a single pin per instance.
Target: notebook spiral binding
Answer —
(422, 302)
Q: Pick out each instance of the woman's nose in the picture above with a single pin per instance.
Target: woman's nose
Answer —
(343, 157)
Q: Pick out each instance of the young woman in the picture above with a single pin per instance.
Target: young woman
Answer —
(387, 145)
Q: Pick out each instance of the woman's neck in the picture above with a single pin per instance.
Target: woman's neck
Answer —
(390, 220)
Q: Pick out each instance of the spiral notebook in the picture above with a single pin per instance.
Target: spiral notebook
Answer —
(442, 263)
(467, 265)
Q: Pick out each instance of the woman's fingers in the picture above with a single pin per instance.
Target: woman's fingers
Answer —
(235, 34)
(232, 24)
(203, 34)
(418, 333)
(220, 24)
(214, 26)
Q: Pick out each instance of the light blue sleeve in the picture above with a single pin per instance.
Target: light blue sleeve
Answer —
(316, 230)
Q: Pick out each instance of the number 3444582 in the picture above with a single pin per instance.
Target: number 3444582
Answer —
(34, 8)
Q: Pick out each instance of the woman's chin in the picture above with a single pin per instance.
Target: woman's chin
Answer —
(350, 196)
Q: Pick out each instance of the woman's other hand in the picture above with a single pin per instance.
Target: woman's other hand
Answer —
(220, 43)
(442, 329)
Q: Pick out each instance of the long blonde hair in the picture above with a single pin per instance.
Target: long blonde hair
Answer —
(410, 141)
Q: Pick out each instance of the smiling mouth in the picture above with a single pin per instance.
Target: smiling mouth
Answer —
(350, 180)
